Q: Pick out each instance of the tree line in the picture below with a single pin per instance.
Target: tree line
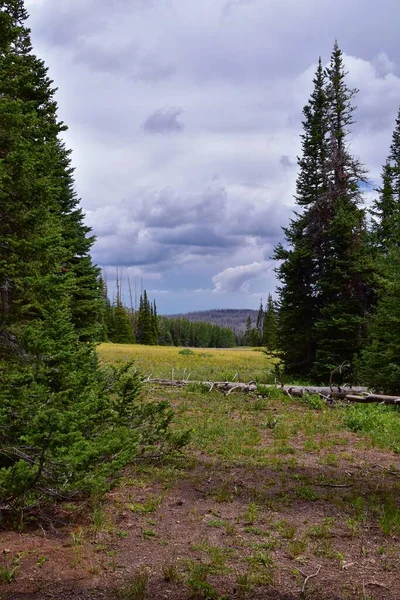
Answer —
(124, 325)
(339, 268)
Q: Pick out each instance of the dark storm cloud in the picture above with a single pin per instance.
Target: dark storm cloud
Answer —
(164, 120)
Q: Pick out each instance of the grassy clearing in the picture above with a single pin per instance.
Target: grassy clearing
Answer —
(268, 489)
(199, 364)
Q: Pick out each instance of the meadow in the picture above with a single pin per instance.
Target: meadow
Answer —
(243, 364)
(273, 498)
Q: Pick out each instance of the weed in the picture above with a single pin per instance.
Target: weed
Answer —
(306, 492)
(150, 505)
(297, 547)
(170, 573)
(223, 494)
(10, 568)
(121, 533)
(286, 529)
(148, 534)
(197, 582)
(77, 540)
(322, 530)
(136, 588)
(314, 401)
(244, 582)
(40, 562)
(216, 523)
(389, 520)
(251, 514)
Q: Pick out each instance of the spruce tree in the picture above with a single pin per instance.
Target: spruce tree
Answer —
(66, 426)
(301, 256)
(382, 355)
(326, 269)
(269, 339)
(345, 275)
(386, 208)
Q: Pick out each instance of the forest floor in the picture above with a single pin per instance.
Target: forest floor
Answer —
(274, 498)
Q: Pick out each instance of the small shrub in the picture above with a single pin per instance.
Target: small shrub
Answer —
(186, 352)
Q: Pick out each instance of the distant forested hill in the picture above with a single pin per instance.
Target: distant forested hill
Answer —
(235, 318)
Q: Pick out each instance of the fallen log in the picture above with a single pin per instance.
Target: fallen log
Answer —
(348, 394)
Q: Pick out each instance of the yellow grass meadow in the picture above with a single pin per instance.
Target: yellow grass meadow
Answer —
(198, 364)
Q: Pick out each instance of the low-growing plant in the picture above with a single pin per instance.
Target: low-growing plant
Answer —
(136, 587)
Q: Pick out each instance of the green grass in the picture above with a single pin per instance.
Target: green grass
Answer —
(240, 364)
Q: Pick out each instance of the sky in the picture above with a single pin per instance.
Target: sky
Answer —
(184, 120)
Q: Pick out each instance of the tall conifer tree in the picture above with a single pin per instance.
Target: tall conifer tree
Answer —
(326, 271)
(299, 269)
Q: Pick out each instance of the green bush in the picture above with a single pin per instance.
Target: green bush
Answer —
(68, 426)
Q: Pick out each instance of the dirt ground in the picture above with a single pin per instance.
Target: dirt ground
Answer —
(318, 524)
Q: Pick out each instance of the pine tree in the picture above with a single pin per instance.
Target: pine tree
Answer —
(66, 426)
(382, 355)
(386, 208)
(28, 114)
(146, 332)
(345, 277)
(247, 335)
(270, 326)
(326, 271)
(260, 322)
(300, 268)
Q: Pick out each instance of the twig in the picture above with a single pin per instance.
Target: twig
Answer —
(378, 584)
(233, 388)
(335, 485)
(307, 578)
(234, 377)
(211, 386)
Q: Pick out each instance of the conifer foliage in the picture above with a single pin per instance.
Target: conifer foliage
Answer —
(325, 272)
(382, 355)
(65, 425)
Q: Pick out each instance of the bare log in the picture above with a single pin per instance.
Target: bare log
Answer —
(348, 394)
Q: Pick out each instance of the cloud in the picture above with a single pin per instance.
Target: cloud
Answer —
(164, 120)
(238, 278)
(198, 198)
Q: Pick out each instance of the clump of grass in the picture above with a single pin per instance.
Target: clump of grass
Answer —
(297, 547)
(9, 570)
(306, 492)
(186, 352)
(251, 514)
(380, 423)
(198, 388)
(198, 584)
(389, 520)
(170, 573)
(136, 588)
(148, 506)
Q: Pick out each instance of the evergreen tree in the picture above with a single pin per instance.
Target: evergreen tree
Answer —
(260, 322)
(270, 326)
(345, 278)
(386, 209)
(65, 424)
(382, 355)
(247, 335)
(326, 271)
(146, 328)
(381, 358)
(300, 268)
